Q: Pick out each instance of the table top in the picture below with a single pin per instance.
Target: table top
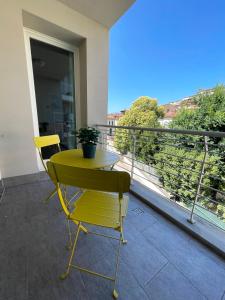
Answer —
(74, 158)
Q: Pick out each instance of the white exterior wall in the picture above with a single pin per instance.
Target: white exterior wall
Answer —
(113, 122)
(165, 122)
(17, 152)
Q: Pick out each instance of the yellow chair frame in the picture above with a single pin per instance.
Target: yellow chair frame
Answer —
(45, 141)
(100, 187)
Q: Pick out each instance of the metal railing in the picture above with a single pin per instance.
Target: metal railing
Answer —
(185, 166)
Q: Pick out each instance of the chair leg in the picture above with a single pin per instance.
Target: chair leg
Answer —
(122, 233)
(69, 246)
(115, 293)
(65, 195)
(123, 240)
(73, 197)
(64, 275)
(68, 201)
(50, 196)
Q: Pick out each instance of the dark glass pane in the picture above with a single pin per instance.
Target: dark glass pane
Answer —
(53, 70)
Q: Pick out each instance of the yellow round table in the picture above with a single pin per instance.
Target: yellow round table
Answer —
(74, 158)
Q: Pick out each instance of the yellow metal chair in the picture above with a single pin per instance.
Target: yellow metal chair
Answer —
(102, 204)
(45, 141)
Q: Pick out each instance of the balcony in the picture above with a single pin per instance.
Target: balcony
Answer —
(160, 261)
(164, 258)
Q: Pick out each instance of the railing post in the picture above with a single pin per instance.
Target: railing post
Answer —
(102, 139)
(133, 137)
(201, 174)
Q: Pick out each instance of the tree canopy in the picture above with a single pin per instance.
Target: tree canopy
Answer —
(144, 112)
(177, 158)
(208, 115)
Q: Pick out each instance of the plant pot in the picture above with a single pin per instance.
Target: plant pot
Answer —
(89, 150)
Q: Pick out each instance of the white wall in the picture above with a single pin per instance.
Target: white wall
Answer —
(17, 152)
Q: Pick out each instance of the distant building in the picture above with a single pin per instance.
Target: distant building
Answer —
(113, 118)
(165, 122)
(171, 109)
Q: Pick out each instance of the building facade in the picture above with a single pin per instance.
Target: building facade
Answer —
(54, 73)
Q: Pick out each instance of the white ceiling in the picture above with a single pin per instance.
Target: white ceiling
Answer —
(105, 12)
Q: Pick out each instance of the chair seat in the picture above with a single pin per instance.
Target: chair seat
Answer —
(99, 208)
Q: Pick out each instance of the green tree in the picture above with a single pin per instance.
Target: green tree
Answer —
(209, 114)
(144, 112)
(180, 168)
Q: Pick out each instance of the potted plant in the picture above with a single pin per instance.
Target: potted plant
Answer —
(88, 137)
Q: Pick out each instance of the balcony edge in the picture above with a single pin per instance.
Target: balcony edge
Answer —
(203, 231)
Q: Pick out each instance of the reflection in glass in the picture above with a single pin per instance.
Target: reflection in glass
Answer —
(53, 70)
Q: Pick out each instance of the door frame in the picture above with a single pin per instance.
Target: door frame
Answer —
(28, 34)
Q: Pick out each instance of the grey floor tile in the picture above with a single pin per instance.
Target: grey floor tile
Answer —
(140, 218)
(33, 237)
(134, 203)
(127, 286)
(96, 287)
(91, 249)
(13, 274)
(142, 257)
(201, 267)
(204, 271)
(45, 284)
(223, 297)
(170, 284)
(169, 240)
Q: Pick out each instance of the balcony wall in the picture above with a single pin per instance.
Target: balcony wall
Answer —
(17, 153)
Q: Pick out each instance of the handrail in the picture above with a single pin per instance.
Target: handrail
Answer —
(167, 130)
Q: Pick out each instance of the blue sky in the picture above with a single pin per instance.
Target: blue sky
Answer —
(166, 49)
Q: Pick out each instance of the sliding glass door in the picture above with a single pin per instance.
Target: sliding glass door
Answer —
(53, 73)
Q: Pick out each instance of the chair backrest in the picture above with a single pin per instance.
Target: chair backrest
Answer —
(44, 141)
(91, 179)
(100, 180)
(48, 140)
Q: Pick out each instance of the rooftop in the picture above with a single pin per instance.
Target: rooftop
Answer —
(114, 116)
(160, 261)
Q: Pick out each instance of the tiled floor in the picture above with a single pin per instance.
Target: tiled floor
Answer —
(160, 261)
